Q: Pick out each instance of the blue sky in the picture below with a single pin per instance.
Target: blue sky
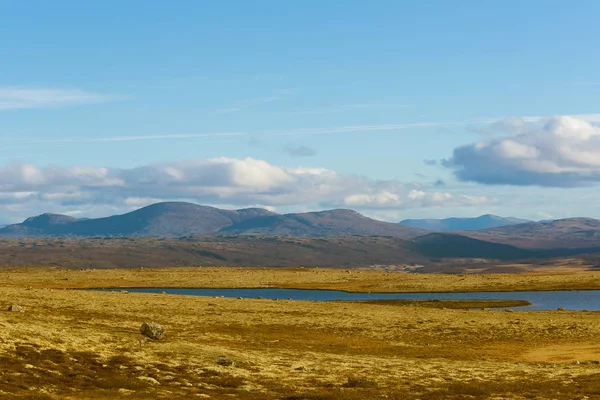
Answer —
(396, 109)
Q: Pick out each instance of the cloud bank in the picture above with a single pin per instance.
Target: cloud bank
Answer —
(555, 152)
(15, 98)
(217, 181)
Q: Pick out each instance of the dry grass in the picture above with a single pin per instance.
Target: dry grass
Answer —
(86, 345)
(302, 278)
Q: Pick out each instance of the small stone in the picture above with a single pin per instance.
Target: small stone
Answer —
(28, 366)
(560, 309)
(225, 362)
(16, 308)
(153, 330)
(149, 379)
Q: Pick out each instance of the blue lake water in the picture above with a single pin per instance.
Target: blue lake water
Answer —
(550, 300)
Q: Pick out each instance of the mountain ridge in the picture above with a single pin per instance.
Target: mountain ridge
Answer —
(178, 219)
(485, 221)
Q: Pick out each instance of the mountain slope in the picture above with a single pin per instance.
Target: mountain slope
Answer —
(176, 219)
(462, 224)
(160, 219)
(38, 225)
(563, 233)
(449, 245)
(323, 223)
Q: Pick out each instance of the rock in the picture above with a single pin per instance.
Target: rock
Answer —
(153, 330)
(149, 379)
(225, 362)
(560, 309)
(16, 308)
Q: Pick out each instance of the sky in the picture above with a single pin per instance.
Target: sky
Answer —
(396, 109)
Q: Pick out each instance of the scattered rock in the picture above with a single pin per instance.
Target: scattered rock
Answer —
(560, 309)
(225, 362)
(16, 308)
(163, 292)
(149, 379)
(153, 330)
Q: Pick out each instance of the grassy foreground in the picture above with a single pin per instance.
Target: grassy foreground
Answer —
(86, 345)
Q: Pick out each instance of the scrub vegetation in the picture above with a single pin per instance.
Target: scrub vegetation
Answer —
(76, 344)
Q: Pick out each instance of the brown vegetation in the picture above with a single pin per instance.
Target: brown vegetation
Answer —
(72, 344)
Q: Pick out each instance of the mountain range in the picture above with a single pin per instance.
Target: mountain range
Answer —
(177, 219)
(486, 221)
(449, 238)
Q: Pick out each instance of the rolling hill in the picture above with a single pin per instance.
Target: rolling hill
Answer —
(562, 233)
(323, 223)
(462, 224)
(170, 219)
(177, 219)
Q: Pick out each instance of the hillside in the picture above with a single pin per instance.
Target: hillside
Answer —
(177, 219)
(324, 223)
(208, 251)
(462, 224)
(169, 219)
(562, 233)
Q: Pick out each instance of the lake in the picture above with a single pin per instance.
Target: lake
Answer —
(549, 300)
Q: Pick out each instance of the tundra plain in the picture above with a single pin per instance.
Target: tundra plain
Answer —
(77, 344)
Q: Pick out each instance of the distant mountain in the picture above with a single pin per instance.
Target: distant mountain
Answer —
(561, 233)
(38, 225)
(177, 219)
(323, 223)
(169, 219)
(462, 224)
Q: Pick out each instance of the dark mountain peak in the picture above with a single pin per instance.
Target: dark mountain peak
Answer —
(254, 212)
(173, 206)
(48, 219)
(339, 212)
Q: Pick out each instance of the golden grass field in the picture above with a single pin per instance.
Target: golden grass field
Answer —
(73, 344)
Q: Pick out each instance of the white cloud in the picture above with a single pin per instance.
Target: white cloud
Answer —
(14, 98)
(559, 151)
(218, 181)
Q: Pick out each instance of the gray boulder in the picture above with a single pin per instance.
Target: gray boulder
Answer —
(153, 330)
(16, 308)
